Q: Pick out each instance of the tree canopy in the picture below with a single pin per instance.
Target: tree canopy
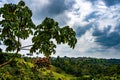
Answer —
(17, 24)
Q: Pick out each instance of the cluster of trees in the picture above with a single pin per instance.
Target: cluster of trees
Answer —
(92, 67)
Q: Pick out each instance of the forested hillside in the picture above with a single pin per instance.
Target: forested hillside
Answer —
(89, 67)
(61, 68)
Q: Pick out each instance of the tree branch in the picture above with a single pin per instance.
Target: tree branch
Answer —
(24, 49)
(5, 63)
(26, 46)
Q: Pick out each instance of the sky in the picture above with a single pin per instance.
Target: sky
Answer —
(96, 23)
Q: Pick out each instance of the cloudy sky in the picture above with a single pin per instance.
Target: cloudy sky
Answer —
(96, 22)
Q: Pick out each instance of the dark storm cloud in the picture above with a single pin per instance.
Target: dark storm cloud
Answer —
(107, 39)
(111, 40)
(54, 8)
(57, 7)
(82, 30)
(98, 32)
(107, 2)
(111, 2)
(117, 28)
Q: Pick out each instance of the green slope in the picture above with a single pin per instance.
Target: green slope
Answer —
(20, 69)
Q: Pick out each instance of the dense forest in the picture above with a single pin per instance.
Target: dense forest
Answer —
(91, 67)
(60, 68)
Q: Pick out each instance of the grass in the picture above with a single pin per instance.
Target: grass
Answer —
(57, 75)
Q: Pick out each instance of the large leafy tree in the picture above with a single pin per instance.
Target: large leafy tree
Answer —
(17, 24)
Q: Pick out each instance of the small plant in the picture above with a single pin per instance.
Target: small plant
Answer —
(42, 62)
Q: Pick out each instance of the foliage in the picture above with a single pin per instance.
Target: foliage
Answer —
(49, 30)
(17, 24)
(89, 68)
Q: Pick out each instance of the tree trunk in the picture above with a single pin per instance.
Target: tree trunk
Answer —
(10, 60)
(5, 63)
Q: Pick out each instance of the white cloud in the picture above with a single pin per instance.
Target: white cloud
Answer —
(86, 42)
(79, 11)
(107, 16)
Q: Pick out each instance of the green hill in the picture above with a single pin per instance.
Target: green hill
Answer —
(20, 69)
(62, 68)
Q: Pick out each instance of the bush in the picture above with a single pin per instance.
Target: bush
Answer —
(42, 62)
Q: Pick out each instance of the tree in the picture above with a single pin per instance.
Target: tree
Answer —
(17, 24)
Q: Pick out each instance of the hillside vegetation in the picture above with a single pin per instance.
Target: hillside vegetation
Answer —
(62, 68)
(25, 69)
(90, 68)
